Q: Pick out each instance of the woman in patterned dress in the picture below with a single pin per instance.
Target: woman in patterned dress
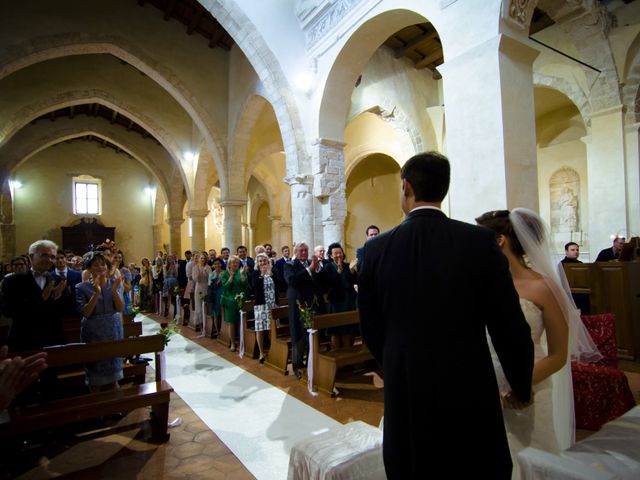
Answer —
(265, 290)
(100, 302)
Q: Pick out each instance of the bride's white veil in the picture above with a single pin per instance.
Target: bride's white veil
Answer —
(534, 238)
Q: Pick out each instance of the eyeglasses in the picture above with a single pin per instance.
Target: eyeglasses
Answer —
(45, 255)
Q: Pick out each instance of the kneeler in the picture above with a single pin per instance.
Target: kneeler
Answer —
(601, 390)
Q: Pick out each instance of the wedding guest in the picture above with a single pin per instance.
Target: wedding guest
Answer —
(68, 295)
(235, 286)
(265, 290)
(305, 284)
(571, 253)
(341, 295)
(214, 294)
(200, 275)
(18, 373)
(611, 254)
(100, 302)
(32, 300)
(146, 287)
(127, 280)
(372, 231)
(279, 266)
(170, 274)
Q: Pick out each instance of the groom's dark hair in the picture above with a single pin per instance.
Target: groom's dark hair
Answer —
(429, 174)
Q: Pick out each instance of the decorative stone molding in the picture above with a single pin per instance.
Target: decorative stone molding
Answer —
(575, 94)
(324, 22)
(518, 13)
(198, 213)
(394, 116)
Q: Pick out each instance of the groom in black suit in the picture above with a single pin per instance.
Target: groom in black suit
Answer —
(428, 291)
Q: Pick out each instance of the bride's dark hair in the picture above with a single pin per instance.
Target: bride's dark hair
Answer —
(500, 223)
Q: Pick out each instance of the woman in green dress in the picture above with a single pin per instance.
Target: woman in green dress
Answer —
(234, 283)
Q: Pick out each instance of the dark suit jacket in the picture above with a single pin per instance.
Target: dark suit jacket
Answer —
(279, 268)
(607, 255)
(182, 273)
(257, 287)
(303, 288)
(35, 322)
(425, 321)
(69, 306)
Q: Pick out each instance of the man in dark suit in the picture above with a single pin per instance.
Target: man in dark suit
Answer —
(279, 266)
(571, 253)
(245, 261)
(372, 231)
(428, 291)
(32, 301)
(61, 272)
(611, 254)
(182, 283)
(304, 279)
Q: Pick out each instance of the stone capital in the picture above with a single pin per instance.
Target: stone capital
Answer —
(198, 213)
(176, 221)
(233, 203)
(337, 144)
(299, 179)
(275, 218)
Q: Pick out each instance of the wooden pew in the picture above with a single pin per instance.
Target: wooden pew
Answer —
(247, 325)
(280, 350)
(135, 372)
(86, 406)
(326, 364)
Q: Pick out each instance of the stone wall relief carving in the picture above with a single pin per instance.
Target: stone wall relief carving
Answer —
(564, 188)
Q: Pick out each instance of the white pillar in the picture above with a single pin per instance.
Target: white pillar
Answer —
(490, 125)
(607, 179)
(329, 189)
(632, 154)
(198, 217)
(302, 206)
(275, 231)
(233, 210)
(286, 235)
(175, 236)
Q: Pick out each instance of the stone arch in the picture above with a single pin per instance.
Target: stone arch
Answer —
(238, 161)
(573, 92)
(233, 19)
(77, 97)
(631, 82)
(353, 56)
(30, 142)
(16, 57)
(257, 158)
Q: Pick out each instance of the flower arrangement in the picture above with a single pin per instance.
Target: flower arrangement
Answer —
(306, 314)
(167, 331)
(176, 290)
(134, 311)
(239, 298)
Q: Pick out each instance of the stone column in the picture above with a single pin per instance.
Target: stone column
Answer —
(490, 125)
(607, 180)
(275, 231)
(233, 210)
(302, 205)
(632, 151)
(198, 217)
(250, 238)
(175, 236)
(329, 185)
(157, 238)
(285, 236)
(7, 241)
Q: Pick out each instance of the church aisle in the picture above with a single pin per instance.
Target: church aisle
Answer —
(258, 422)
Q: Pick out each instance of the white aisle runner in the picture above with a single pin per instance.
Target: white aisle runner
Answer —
(258, 422)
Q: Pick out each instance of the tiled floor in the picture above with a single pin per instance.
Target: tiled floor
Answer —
(193, 451)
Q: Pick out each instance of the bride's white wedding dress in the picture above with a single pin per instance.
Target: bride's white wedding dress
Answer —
(532, 426)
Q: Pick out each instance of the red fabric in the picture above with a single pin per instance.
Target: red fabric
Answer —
(602, 329)
(601, 391)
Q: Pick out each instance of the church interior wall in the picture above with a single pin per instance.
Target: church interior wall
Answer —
(373, 197)
(45, 201)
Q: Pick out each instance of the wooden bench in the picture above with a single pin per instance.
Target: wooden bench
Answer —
(326, 364)
(86, 406)
(247, 325)
(132, 372)
(280, 350)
